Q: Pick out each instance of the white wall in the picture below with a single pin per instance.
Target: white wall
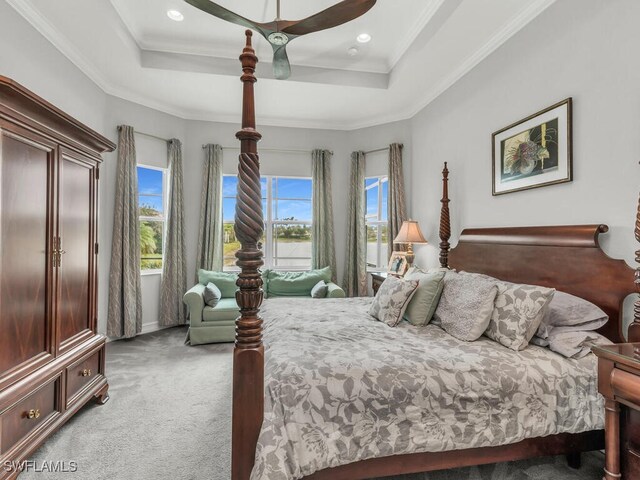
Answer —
(576, 48)
(28, 58)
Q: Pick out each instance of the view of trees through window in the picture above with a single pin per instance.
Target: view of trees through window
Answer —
(151, 203)
(286, 204)
(376, 192)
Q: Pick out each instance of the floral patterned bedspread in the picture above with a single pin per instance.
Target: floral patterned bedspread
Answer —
(341, 386)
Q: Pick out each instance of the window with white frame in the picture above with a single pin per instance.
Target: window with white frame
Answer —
(152, 207)
(286, 205)
(376, 192)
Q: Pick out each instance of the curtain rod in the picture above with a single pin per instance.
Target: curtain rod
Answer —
(385, 149)
(281, 150)
(377, 150)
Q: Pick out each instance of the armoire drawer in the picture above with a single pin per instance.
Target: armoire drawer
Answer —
(81, 374)
(26, 416)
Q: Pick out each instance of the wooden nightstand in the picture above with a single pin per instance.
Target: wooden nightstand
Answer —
(376, 280)
(619, 384)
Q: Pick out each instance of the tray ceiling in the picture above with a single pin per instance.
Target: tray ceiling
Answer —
(131, 49)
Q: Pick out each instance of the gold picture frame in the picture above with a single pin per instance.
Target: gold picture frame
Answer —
(398, 264)
(534, 152)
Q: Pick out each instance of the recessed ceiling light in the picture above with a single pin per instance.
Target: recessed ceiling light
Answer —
(353, 51)
(175, 15)
(364, 38)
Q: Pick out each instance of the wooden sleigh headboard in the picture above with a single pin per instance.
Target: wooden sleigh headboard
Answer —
(567, 258)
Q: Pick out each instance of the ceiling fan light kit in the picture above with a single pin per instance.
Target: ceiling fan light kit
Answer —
(280, 32)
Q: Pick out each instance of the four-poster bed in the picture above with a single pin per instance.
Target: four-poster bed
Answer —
(565, 257)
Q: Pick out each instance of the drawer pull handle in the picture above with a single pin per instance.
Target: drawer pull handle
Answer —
(33, 413)
(86, 372)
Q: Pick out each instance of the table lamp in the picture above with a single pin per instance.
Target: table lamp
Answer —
(410, 233)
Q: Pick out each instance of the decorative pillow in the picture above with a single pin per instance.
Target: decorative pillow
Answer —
(466, 305)
(320, 290)
(567, 312)
(211, 294)
(425, 300)
(392, 299)
(225, 281)
(518, 311)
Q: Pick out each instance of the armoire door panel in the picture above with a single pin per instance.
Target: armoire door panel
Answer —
(74, 247)
(26, 164)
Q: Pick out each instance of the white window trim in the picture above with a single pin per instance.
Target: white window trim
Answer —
(269, 248)
(163, 219)
(377, 219)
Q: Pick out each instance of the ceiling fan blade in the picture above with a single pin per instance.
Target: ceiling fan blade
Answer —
(338, 14)
(281, 65)
(221, 12)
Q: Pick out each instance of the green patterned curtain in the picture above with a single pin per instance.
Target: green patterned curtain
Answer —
(174, 265)
(355, 277)
(397, 209)
(210, 237)
(124, 319)
(323, 251)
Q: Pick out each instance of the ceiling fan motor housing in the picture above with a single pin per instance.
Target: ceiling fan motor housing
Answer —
(278, 38)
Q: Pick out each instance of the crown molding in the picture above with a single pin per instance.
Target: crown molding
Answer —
(534, 9)
(51, 33)
(413, 32)
(57, 38)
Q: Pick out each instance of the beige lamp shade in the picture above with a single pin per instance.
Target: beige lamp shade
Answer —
(410, 233)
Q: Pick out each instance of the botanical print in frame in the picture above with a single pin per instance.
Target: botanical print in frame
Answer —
(398, 264)
(533, 152)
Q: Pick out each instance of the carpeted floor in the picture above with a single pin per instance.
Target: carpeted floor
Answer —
(169, 417)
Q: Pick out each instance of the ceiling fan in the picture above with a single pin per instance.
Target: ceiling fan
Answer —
(280, 32)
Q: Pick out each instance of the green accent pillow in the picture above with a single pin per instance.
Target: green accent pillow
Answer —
(295, 284)
(320, 290)
(211, 294)
(225, 281)
(424, 302)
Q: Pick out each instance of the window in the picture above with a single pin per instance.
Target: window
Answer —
(286, 206)
(152, 205)
(376, 191)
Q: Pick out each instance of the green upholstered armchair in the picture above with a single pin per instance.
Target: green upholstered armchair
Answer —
(217, 324)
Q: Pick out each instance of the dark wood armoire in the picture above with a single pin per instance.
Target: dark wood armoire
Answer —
(51, 357)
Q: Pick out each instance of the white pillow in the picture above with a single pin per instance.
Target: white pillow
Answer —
(466, 305)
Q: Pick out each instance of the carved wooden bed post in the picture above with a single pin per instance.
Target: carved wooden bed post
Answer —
(445, 222)
(248, 354)
(634, 329)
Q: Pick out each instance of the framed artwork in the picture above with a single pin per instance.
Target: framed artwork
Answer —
(534, 152)
(398, 264)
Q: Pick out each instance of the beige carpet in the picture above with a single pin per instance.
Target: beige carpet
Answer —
(169, 417)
